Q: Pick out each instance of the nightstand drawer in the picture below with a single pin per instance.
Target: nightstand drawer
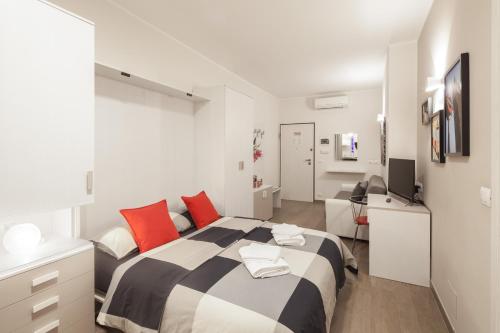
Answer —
(30, 283)
(77, 317)
(46, 304)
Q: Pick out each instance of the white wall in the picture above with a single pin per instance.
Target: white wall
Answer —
(360, 117)
(144, 152)
(401, 100)
(460, 224)
(125, 42)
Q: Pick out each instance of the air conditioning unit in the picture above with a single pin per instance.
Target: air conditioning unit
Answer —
(335, 102)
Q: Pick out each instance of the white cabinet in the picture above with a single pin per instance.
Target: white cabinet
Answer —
(54, 293)
(223, 149)
(46, 108)
(263, 203)
(400, 240)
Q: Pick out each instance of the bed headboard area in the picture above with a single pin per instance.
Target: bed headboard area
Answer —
(144, 152)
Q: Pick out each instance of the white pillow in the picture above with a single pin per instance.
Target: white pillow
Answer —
(117, 241)
(180, 221)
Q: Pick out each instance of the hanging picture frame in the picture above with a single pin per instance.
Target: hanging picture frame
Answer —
(456, 108)
(383, 142)
(437, 137)
(425, 113)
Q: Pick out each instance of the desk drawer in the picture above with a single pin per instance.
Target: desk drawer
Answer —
(49, 304)
(24, 285)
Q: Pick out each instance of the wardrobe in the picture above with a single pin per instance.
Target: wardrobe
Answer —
(223, 149)
(46, 108)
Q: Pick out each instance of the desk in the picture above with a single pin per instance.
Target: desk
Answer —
(399, 240)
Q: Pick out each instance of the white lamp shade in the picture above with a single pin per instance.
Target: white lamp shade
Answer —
(22, 238)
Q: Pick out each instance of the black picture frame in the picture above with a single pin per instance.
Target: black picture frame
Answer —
(457, 108)
(437, 137)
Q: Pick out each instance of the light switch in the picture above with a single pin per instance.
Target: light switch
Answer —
(241, 165)
(264, 194)
(485, 194)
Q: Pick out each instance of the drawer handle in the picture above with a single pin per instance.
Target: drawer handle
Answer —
(45, 304)
(45, 278)
(48, 327)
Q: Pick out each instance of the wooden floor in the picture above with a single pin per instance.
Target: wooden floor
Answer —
(368, 304)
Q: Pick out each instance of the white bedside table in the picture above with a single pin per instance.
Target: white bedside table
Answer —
(51, 290)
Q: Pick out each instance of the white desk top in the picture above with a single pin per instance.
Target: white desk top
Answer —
(347, 167)
(378, 201)
(49, 251)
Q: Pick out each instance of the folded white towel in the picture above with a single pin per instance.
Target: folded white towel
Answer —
(287, 229)
(297, 240)
(260, 251)
(266, 268)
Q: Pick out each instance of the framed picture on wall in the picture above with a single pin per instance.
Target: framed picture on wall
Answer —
(437, 137)
(456, 108)
(383, 142)
(425, 113)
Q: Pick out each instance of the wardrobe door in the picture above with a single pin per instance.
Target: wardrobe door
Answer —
(46, 108)
(239, 154)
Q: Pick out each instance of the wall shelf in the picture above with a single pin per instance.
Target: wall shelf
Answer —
(130, 78)
(347, 167)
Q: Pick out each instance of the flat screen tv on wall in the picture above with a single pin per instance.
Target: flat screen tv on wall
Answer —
(402, 177)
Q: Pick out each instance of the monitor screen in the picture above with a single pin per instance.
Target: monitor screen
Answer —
(402, 177)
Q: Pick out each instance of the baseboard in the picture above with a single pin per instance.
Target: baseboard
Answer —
(442, 310)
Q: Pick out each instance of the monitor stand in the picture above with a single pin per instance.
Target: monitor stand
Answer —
(401, 199)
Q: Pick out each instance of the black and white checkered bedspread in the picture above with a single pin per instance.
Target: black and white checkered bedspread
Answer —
(199, 284)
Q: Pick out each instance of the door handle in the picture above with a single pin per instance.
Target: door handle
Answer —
(308, 160)
(49, 327)
(45, 304)
(44, 278)
(90, 182)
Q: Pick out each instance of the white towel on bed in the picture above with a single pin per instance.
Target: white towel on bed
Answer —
(266, 268)
(287, 229)
(260, 251)
(297, 240)
(288, 234)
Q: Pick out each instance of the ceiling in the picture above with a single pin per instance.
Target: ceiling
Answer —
(291, 47)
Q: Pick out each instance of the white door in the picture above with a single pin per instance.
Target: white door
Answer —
(297, 162)
(46, 108)
(239, 154)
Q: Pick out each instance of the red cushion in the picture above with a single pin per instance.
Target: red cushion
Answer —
(362, 220)
(201, 209)
(151, 225)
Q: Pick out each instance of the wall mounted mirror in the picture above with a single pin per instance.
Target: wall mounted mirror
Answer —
(346, 146)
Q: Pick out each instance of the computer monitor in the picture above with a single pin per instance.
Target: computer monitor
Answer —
(402, 177)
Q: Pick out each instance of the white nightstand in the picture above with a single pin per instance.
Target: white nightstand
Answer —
(50, 291)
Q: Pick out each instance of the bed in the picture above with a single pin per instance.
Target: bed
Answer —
(198, 283)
